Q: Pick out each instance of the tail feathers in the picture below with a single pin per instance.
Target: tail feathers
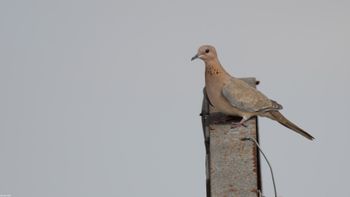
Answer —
(276, 115)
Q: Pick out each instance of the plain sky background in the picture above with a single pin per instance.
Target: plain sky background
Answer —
(100, 98)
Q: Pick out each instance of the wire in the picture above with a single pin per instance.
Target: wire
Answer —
(267, 161)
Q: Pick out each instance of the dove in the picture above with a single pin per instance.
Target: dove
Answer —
(234, 97)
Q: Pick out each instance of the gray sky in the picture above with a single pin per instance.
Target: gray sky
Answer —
(99, 98)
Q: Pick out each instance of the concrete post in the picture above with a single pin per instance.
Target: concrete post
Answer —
(232, 165)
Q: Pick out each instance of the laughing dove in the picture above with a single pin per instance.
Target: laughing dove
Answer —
(233, 96)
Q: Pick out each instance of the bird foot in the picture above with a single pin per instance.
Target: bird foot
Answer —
(237, 124)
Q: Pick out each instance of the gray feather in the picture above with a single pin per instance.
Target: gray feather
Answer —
(246, 98)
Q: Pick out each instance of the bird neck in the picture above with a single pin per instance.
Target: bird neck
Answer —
(213, 68)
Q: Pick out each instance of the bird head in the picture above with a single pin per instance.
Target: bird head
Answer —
(205, 53)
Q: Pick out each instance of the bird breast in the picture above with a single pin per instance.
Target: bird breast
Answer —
(214, 87)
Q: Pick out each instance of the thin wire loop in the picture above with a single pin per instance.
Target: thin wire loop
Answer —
(267, 161)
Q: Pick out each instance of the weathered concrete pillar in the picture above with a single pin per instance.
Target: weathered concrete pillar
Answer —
(232, 165)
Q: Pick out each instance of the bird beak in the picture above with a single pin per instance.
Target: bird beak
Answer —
(194, 57)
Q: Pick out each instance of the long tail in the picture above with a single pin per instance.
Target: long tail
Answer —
(276, 115)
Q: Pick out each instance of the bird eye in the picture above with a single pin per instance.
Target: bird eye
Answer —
(206, 50)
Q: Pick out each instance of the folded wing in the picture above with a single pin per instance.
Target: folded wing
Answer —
(246, 98)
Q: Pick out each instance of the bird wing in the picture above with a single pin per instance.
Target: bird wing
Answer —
(246, 98)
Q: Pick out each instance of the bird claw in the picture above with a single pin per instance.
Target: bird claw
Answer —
(237, 124)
